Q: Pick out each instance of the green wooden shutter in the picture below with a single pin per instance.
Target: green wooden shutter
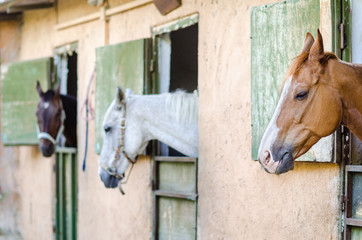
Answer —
(123, 65)
(20, 98)
(277, 35)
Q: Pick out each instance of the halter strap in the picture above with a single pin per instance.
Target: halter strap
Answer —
(110, 171)
(45, 135)
(120, 147)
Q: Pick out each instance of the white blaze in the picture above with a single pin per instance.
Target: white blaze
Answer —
(271, 131)
(46, 105)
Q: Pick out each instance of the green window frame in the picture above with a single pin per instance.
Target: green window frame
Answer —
(66, 159)
(174, 179)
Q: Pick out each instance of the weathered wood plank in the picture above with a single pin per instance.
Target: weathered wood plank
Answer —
(121, 65)
(179, 177)
(66, 150)
(174, 159)
(353, 168)
(19, 99)
(173, 194)
(354, 222)
(176, 219)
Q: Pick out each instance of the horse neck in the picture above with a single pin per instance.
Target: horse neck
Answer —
(159, 124)
(70, 123)
(348, 78)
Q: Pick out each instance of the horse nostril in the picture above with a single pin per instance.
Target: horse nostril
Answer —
(266, 157)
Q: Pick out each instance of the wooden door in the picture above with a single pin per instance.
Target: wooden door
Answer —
(175, 197)
(66, 193)
(175, 175)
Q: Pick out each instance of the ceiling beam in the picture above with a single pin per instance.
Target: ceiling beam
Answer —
(10, 17)
(21, 8)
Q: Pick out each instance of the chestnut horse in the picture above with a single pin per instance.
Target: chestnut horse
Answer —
(56, 115)
(320, 93)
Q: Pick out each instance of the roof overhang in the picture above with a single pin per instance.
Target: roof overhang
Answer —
(13, 9)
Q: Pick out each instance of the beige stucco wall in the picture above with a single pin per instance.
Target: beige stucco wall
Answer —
(237, 199)
(9, 156)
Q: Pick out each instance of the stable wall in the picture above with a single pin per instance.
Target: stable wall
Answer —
(9, 157)
(237, 199)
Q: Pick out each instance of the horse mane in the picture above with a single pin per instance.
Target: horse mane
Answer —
(301, 59)
(70, 108)
(184, 106)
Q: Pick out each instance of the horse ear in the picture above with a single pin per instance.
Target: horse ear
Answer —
(57, 90)
(316, 52)
(120, 96)
(308, 42)
(38, 89)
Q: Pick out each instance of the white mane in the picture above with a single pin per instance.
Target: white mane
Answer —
(183, 105)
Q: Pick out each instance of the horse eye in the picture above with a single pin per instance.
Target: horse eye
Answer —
(301, 95)
(107, 129)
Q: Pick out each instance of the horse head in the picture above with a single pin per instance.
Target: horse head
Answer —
(309, 108)
(50, 116)
(123, 140)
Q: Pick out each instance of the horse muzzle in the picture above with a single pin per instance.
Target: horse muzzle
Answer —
(109, 181)
(46, 148)
(277, 161)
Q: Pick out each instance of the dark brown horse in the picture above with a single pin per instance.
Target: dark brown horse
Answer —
(320, 93)
(57, 115)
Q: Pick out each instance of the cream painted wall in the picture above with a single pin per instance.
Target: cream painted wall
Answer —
(237, 199)
(9, 156)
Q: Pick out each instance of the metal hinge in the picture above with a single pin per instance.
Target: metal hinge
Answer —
(342, 31)
(152, 65)
(153, 186)
(346, 138)
(343, 203)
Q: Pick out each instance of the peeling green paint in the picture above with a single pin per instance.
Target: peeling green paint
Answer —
(121, 65)
(19, 99)
(176, 25)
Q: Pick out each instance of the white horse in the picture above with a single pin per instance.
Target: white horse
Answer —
(131, 121)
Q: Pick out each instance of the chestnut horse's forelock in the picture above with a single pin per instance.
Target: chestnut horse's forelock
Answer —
(300, 60)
